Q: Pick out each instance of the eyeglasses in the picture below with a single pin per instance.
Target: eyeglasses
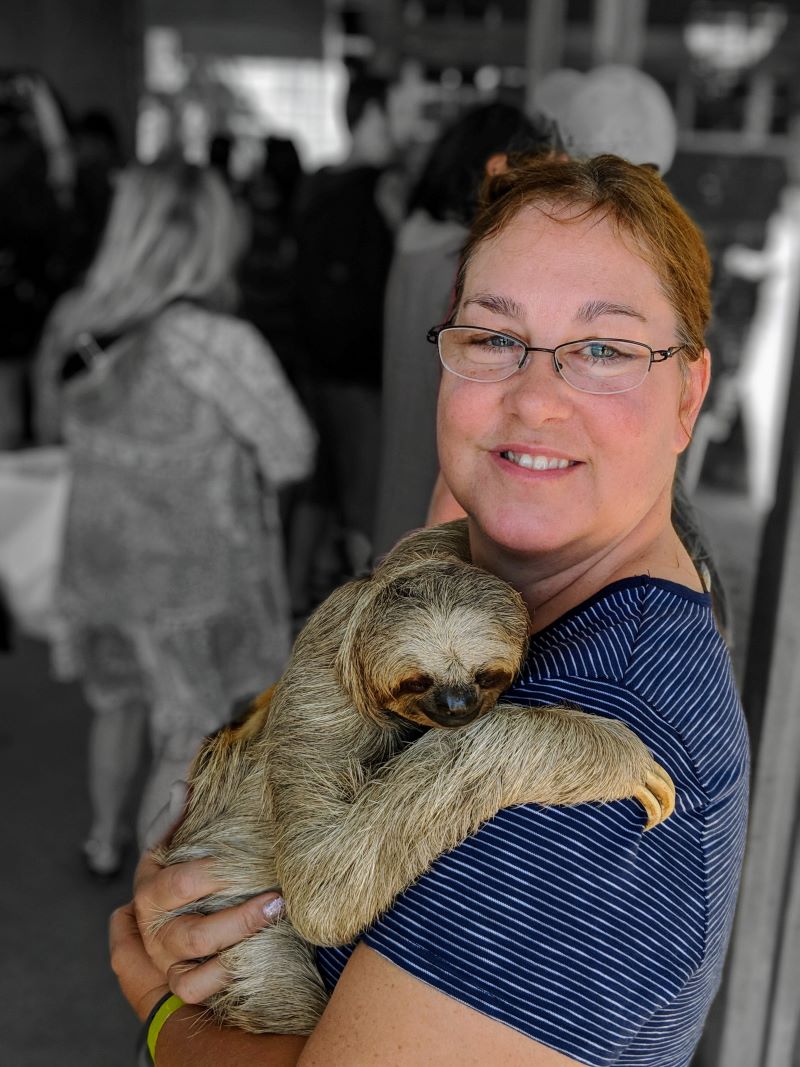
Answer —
(592, 365)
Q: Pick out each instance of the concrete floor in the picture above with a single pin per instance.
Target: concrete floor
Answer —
(59, 1003)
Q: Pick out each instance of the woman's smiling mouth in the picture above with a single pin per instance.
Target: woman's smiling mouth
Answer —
(536, 461)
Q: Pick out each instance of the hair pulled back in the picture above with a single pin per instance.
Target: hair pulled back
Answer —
(637, 203)
(173, 233)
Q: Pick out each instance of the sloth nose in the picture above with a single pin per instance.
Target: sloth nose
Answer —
(456, 698)
(454, 705)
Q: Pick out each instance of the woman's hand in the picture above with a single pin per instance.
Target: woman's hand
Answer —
(149, 964)
(141, 982)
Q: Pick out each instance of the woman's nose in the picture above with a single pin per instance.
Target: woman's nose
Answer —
(537, 392)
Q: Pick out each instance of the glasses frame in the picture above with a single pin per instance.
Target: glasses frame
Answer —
(657, 355)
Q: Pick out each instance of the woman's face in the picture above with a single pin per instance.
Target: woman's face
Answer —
(548, 282)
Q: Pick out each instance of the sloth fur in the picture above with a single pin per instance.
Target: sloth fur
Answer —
(380, 748)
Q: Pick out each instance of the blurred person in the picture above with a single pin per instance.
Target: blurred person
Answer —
(756, 389)
(267, 276)
(30, 235)
(345, 242)
(419, 292)
(98, 157)
(282, 164)
(181, 427)
(5, 625)
(220, 150)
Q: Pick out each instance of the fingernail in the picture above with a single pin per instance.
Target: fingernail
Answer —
(273, 909)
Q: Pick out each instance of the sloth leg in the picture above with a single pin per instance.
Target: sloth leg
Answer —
(342, 865)
(275, 986)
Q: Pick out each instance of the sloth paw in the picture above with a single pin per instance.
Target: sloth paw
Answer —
(656, 795)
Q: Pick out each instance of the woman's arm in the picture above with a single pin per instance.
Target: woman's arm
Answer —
(380, 1014)
(230, 365)
(187, 1039)
(148, 965)
(263, 408)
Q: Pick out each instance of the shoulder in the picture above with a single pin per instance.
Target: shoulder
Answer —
(648, 638)
(193, 337)
(190, 321)
(648, 652)
(421, 235)
(629, 621)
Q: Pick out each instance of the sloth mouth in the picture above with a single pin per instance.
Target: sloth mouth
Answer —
(425, 720)
(451, 720)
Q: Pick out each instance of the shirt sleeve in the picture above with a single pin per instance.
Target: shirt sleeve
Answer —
(568, 924)
(233, 367)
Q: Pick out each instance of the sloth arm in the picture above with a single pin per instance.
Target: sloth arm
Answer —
(341, 865)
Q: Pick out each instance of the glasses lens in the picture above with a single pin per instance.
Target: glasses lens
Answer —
(603, 365)
(481, 355)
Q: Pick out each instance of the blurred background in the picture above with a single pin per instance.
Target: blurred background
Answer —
(709, 90)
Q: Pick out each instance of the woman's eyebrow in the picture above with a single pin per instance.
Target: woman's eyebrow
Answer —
(594, 309)
(501, 305)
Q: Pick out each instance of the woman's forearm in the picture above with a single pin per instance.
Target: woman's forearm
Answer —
(190, 1038)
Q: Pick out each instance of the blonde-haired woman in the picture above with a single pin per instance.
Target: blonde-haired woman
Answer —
(181, 428)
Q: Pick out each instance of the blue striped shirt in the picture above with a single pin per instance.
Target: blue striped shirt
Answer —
(570, 924)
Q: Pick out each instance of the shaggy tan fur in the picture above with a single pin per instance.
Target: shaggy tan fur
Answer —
(333, 792)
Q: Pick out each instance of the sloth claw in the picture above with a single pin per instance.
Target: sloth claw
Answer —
(657, 796)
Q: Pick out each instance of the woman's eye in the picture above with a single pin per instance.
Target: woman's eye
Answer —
(495, 341)
(600, 350)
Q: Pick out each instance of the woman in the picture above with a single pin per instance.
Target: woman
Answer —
(553, 936)
(181, 427)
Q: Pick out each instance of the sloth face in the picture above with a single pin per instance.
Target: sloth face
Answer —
(427, 701)
(435, 646)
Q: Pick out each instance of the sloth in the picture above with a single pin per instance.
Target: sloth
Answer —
(383, 746)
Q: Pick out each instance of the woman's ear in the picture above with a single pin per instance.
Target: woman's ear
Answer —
(696, 379)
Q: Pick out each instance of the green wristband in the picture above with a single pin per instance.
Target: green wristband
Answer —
(167, 1006)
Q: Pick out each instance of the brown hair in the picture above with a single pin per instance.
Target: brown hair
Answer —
(633, 198)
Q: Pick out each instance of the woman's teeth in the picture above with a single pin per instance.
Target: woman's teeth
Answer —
(537, 463)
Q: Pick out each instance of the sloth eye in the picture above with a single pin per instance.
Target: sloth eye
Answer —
(420, 683)
(493, 679)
